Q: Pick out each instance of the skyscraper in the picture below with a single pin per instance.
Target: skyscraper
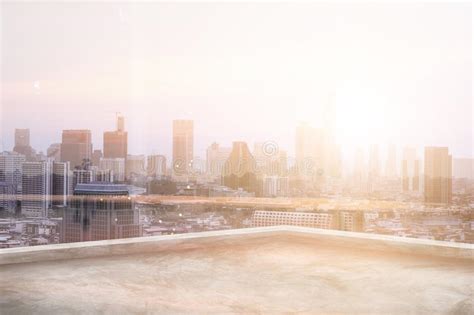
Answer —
(61, 183)
(309, 150)
(22, 137)
(116, 142)
(156, 165)
(22, 144)
(36, 188)
(410, 170)
(96, 156)
(438, 175)
(240, 170)
(135, 165)
(54, 152)
(11, 170)
(183, 146)
(216, 156)
(76, 146)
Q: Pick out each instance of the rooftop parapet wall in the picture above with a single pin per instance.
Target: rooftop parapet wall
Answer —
(340, 239)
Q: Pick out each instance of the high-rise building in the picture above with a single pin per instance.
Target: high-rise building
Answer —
(54, 152)
(11, 170)
(116, 142)
(391, 164)
(410, 170)
(22, 137)
(135, 165)
(8, 199)
(76, 147)
(156, 165)
(116, 165)
(438, 175)
(36, 188)
(216, 156)
(120, 123)
(309, 150)
(22, 144)
(96, 156)
(61, 183)
(239, 170)
(100, 211)
(183, 147)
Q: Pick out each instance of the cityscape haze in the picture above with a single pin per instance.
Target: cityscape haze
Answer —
(296, 144)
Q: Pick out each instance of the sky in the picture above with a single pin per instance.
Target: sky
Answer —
(392, 73)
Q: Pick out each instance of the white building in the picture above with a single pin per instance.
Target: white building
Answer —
(36, 188)
(116, 165)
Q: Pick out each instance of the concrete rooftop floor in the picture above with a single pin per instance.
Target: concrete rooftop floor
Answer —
(272, 273)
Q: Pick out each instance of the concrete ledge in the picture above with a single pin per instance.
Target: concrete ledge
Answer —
(362, 241)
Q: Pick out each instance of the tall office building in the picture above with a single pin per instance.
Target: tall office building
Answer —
(54, 152)
(410, 170)
(61, 183)
(116, 142)
(120, 123)
(22, 137)
(76, 146)
(116, 165)
(391, 164)
(438, 175)
(183, 147)
(156, 165)
(309, 150)
(11, 170)
(8, 199)
(96, 156)
(135, 165)
(240, 170)
(22, 144)
(216, 156)
(36, 188)
(100, 211)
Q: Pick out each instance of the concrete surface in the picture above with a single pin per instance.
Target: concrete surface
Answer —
(248, 271)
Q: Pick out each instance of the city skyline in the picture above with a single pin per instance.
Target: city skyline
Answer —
(417, 75)
(236, 157)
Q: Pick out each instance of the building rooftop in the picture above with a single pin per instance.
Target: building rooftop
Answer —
(268, 270)
(101, 188)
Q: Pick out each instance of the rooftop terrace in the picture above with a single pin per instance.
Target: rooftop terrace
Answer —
(269, 270)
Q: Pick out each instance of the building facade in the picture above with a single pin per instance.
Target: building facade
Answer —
(100, 211)
(76, 146)
(438, 175)
(36, 188)
(183, 147)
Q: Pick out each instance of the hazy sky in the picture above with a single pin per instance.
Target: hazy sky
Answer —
(395, 73)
